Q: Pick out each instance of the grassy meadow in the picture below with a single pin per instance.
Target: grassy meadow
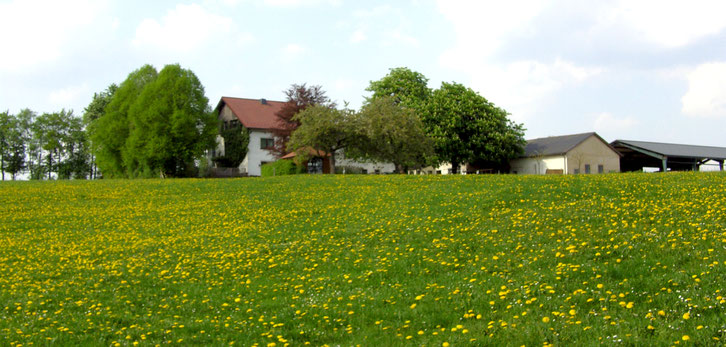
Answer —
(633, 259)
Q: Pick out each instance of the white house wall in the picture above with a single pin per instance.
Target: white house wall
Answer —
(256, 156)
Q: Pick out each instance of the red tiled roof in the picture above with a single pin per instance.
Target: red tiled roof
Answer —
(252, 113)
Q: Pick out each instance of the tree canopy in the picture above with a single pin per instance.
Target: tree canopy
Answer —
(466, 128)
(299, 97)
(155, 124)
(326, 129)
(407, 87)
(392, 133)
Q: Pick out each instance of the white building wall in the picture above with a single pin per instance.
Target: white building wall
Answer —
(371, 168)
(256, 155)
(538, 166)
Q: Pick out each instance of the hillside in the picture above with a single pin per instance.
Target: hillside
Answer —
(345, 260)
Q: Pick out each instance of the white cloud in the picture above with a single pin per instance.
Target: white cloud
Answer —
(669, 23)
(299, 3)
(482, 26)
(519, 86)
(358, 36)
(69, 95)
(293, 52)
(608, 123)
(182, 29)
(38, 31)
(706, 96)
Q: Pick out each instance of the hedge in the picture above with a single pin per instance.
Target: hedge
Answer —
(281, 167)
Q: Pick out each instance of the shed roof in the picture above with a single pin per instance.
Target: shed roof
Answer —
(557, 145)
(676, 150)
(253, 113)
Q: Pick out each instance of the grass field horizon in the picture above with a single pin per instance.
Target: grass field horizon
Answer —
(630, 258)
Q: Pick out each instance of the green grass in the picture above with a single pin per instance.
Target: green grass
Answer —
(369, 260)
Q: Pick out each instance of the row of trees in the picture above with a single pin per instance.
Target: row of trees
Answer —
(152, 124)
(45, 146)
(403, 122)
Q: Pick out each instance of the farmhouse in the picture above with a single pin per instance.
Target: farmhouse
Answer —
(258, 117)
(568, 154)
(666, 156)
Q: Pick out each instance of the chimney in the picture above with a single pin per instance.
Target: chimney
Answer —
(263, 101)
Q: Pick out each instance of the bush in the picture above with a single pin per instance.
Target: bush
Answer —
(281, 167)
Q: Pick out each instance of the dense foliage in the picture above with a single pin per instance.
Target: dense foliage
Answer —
(466, 128)
(327, 129)
(282, 167)
(631, 259)
(156, 124)
(392, 133)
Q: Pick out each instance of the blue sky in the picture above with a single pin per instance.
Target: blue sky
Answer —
(639, 70)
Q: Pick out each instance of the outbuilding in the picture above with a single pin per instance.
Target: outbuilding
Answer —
(666, 156)
(569, 154)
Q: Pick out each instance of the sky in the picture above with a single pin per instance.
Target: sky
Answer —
(650, 70)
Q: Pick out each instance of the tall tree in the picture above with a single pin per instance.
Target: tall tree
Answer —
(57, 134)
(299, 97)
(406, 87)
(95, 110)
(26, 121)
(325, 129)
(109, 130)
(6, 120)
(392, 133)
(171, 126)
(13, 144)
(466, 128)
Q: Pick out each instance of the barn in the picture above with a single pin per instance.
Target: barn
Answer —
(569, 154)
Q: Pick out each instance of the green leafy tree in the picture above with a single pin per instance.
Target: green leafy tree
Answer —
(299, 97)
(6, 123)
(34, 153)
(94, 111)
(392, 133)
(466, 128)
(14, 146)
(171, 126)
(406, 87)
(326, 129)
(62, 141)
(108, 130)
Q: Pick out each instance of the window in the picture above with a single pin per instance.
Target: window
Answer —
(600, 169)
(266, 143)
(587, 168)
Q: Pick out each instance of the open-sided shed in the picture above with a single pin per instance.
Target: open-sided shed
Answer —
(640, 154)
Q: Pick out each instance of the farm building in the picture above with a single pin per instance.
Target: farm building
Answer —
(638, 155)
(568, 154)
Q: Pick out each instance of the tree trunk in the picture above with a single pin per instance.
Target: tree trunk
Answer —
(331, 162)
(400, 169)
(454, 167)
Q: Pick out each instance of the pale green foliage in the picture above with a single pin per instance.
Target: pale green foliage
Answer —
(325, 129)
(392, 133)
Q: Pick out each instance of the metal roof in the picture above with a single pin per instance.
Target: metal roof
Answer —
(556, 145)
(676, 150)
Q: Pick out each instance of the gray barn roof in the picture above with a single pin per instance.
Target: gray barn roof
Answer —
(556, 145)
(676, 150)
